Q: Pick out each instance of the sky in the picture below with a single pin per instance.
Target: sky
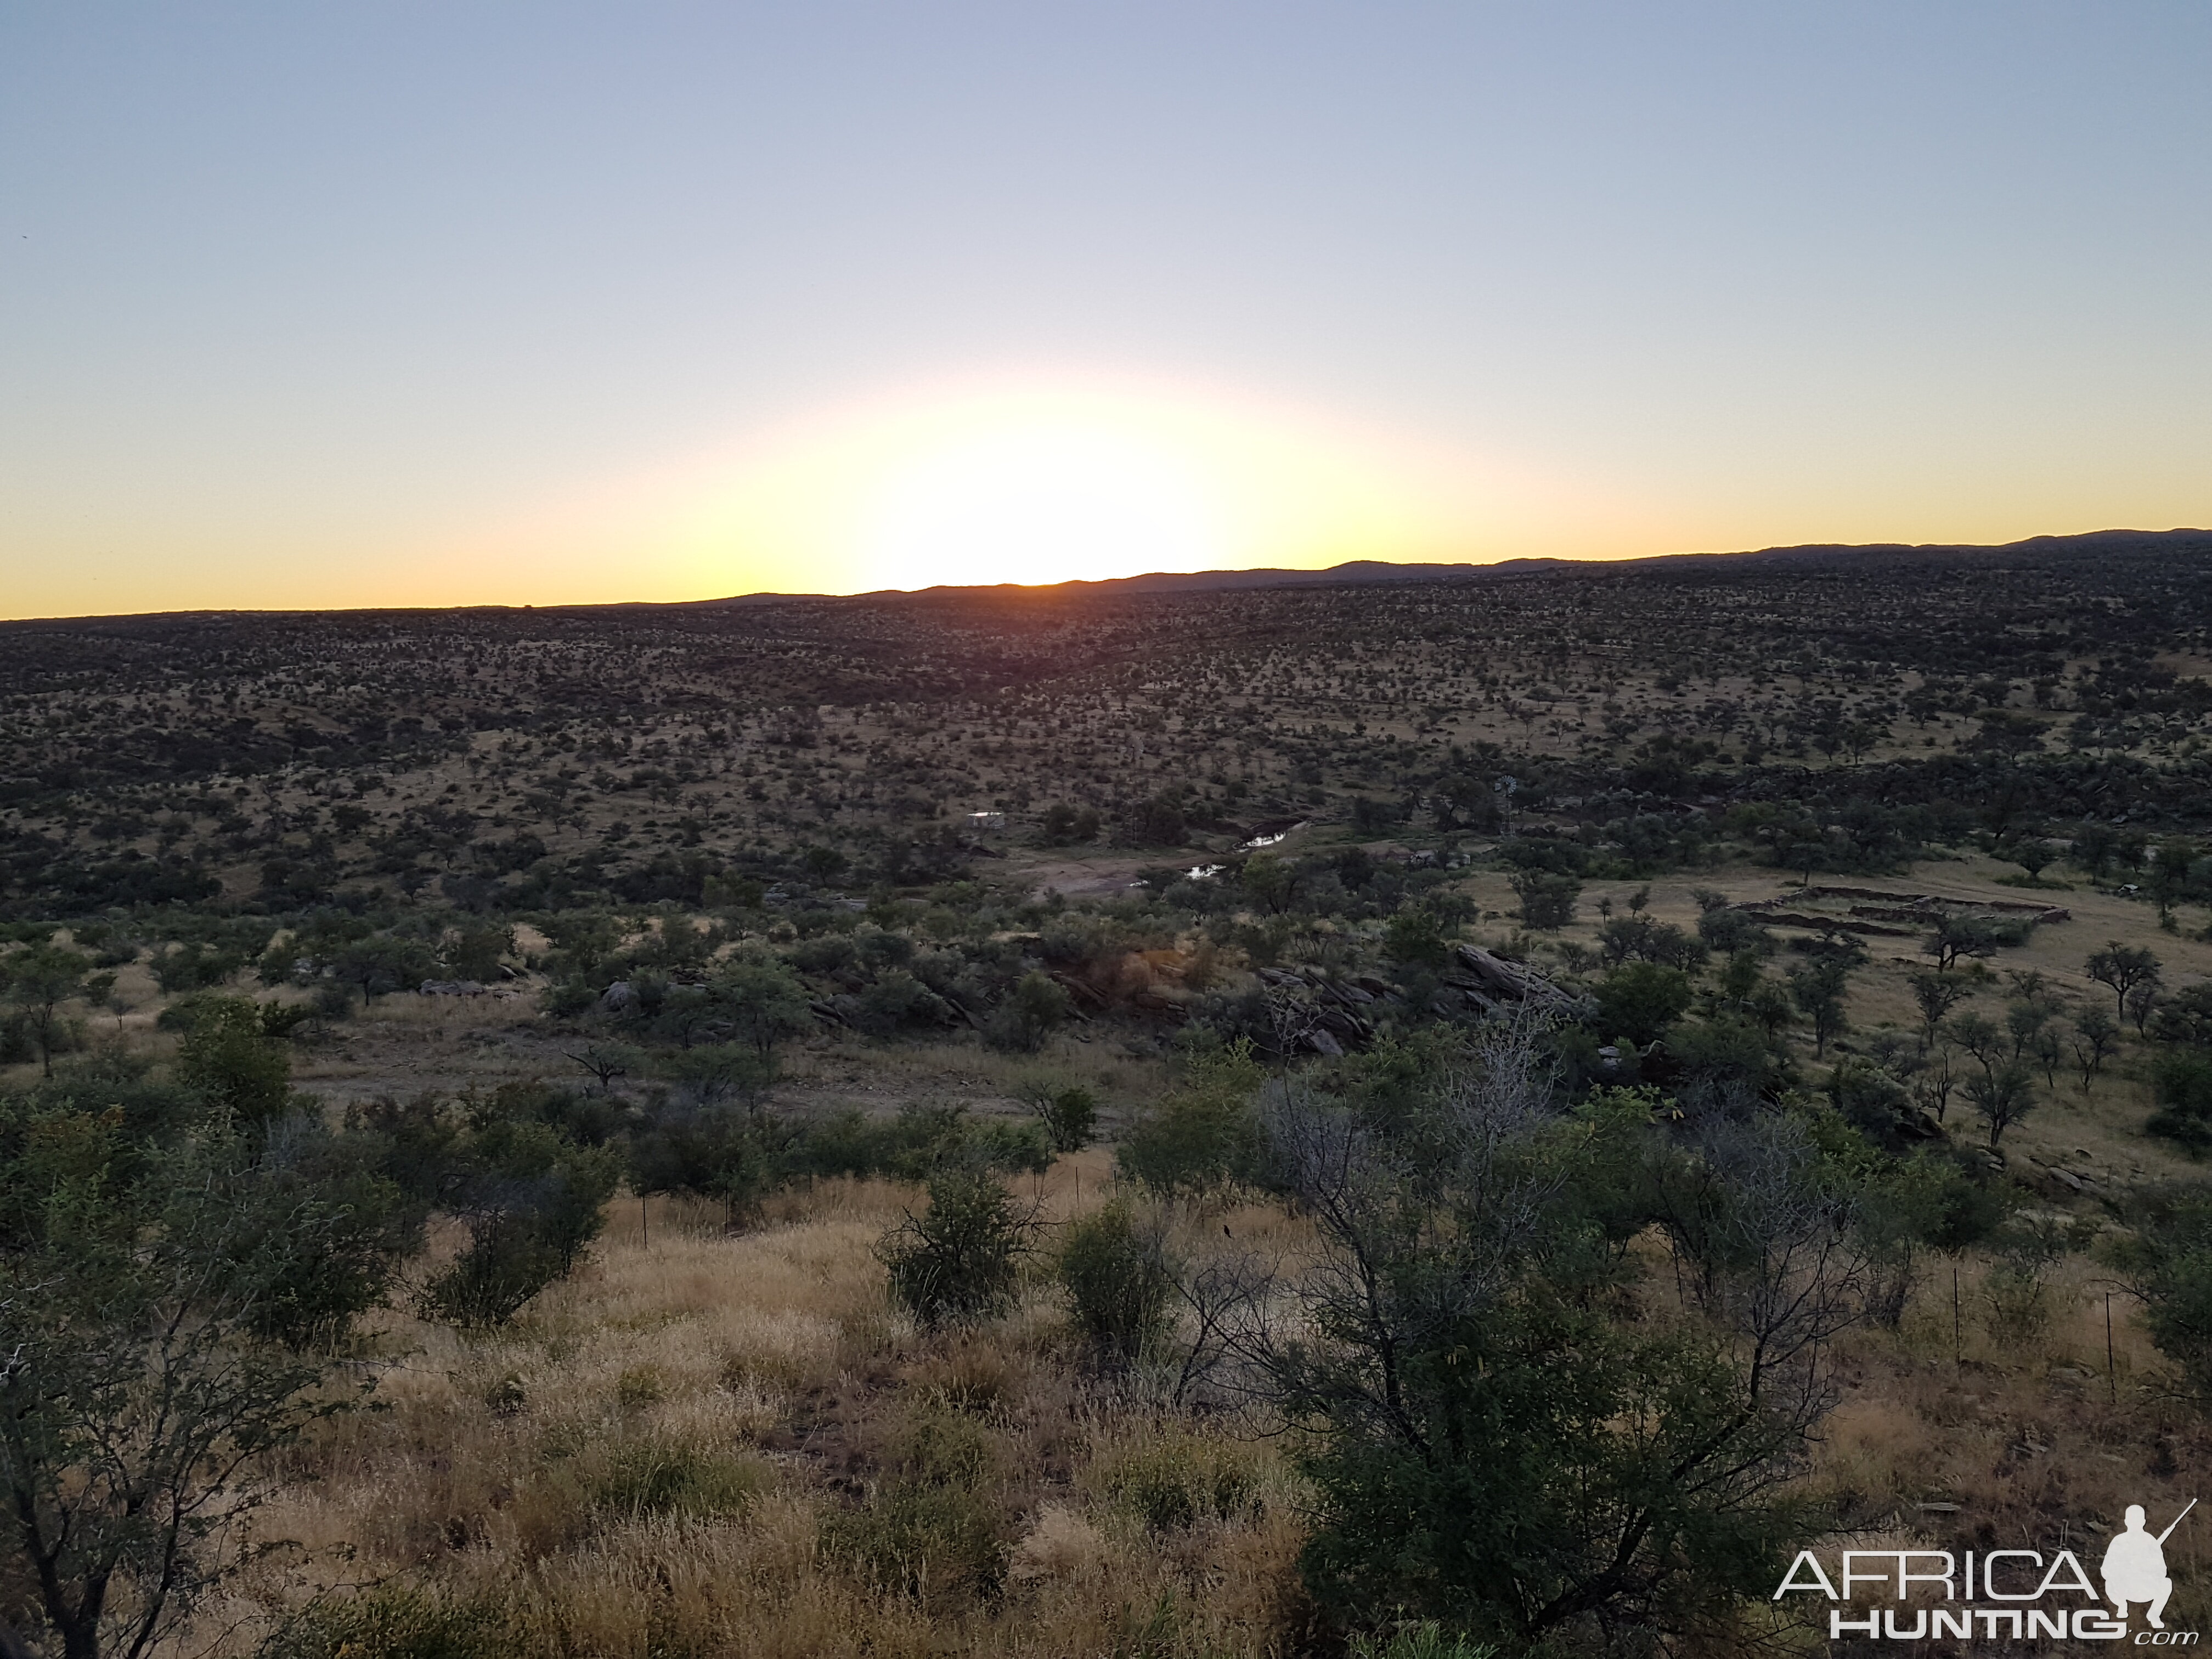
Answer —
(476, 303)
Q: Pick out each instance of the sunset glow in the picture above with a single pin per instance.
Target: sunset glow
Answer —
(693, 302)
(1043, 500)
(1038, 482)
(1030, 478)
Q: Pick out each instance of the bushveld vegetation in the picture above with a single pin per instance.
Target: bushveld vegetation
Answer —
(1416, 1119)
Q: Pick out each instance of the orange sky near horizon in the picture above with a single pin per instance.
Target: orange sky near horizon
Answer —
(425, 304)
(1031, 478)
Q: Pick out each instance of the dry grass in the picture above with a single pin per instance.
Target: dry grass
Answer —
(645, 1463)
(882, 1076)
(648, 1462)
(2004, 1437)
(673, 1452)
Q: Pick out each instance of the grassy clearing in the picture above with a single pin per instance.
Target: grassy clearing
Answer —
(724, 1443)
(719, 1444)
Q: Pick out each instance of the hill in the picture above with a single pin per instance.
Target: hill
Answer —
(2090, 544)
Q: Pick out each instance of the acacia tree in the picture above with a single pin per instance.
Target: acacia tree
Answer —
(1937, 994)
(606, 1061)
(150, 1311)
(2096, 1037)
(1818, 990)
(2122, 968)
(1491, 1448)
(763, 1002)
(1271, 882)
(40, 981)
(1979, 1035)
(382, 963)
(2002, 1095)
(1956, 936)
(1938, 1078)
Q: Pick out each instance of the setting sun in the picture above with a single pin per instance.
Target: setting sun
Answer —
(1058, 476)
(1032, 477)
(1054, 499)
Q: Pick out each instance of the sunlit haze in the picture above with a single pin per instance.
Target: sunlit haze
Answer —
(423, 305)
(1036, 478)
(1043, 493)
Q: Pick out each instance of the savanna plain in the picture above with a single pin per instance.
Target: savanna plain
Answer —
(1422, 1118)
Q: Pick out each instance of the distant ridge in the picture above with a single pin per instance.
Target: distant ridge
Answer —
(1357, 572)
(1364, 572)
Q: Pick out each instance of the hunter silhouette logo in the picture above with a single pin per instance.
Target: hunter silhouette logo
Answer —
(2135, 1566)
(2024, 1595)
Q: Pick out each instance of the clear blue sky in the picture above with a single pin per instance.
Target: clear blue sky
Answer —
(320, 304)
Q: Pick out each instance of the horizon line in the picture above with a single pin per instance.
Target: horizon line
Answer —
(1290, 575)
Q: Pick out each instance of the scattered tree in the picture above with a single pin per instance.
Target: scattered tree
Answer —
(1547, 899)
(2122, 968)
(2002, 1095)
(1818, 990)
(40, 981)
(1937, 994)
(2096, 1039)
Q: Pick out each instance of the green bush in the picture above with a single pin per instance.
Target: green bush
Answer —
(533, 1200)
(2016, 1288)
(1548, 902)
(2182, 1081)
(669, 1478)
(18, 1046)
(2169, 1260)
(997, 1144)
(1871, 1100)
(1178, 1481)
(476, 948)
(1418, 937)
(1115, 1271)
(383, 963)
(397, 1622)
(326, 1186)
(931, 1531)
(1729, 931)
(1724, 1058)
(228, 1057)
(915, 1144)
(1545, 852)
(1032, 1009)
(1069, 1115)
(1640, 1001)
(708, 1074)
(955, 1263)
(194, 967)
(1201, 1134)
(504, 1264)
(1425, 1640)
(735, 1157)
(895, 1002)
